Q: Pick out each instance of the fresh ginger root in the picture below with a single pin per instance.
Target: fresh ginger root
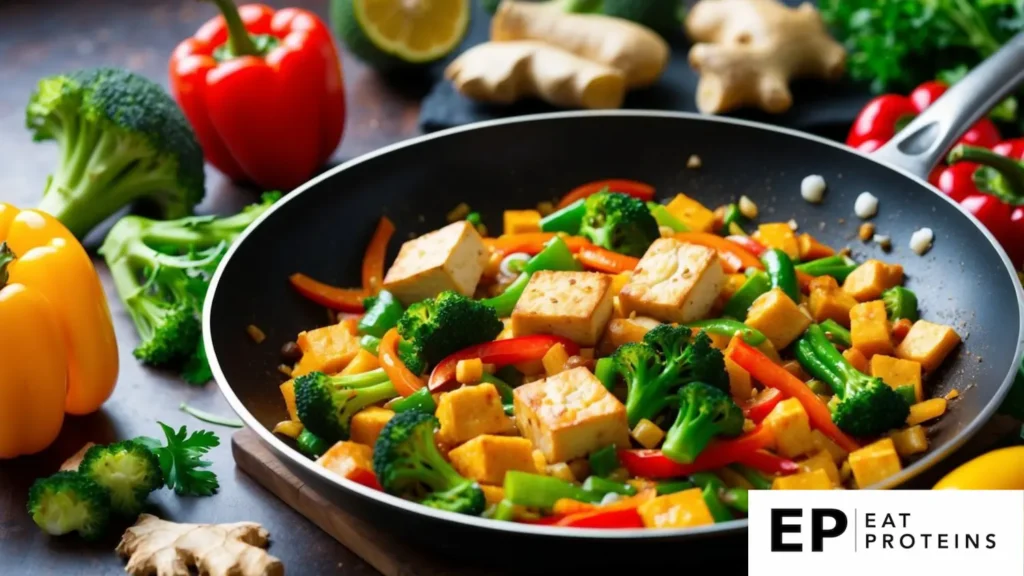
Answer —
(640, 53)
(155, 546)
(504, 72)
(747, 51)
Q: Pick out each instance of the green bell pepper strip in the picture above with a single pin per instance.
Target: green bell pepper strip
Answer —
(382, 316)
(311, 445)
(536, 491)
(504, 390)
(900, 303)
(729, 327)
(756, 284)
(736, 498)
(908, 393)
(568, 219)
(838, 267)
(836, 333)
(555, 256)
(602, 486)
(758, 480)
(732, 216)
(606, 372)
(808, 358)
(781, 272)
(504, 511)
(419, 400)
(665, 218)
(604, 461)
(673, 486)
(712, 486)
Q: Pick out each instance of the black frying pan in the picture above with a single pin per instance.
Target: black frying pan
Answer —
(322, 228)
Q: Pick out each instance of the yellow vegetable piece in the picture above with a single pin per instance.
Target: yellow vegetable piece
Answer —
(647, 433)
(288, 392)
(857, 359)
(469, 371)
(778, 235)
(740, 384)
(822, 461)
(875, 462)
(692, 213)
(1001, 469)
(363, 362)
(927, 410)
(521, 221)
(679, 510)
(910, 441)
(816, 479)
(554, 360)
(289, 428)
(561, 471)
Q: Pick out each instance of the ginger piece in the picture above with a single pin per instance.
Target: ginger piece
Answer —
(747, 51)
(504, 72)
(155, 546)
(75, 460)
(640, 53)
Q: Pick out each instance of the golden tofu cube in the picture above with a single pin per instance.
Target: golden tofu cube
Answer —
(870, 279)
(493, 494)
(822, 460)
(928, 344)
(740, 384)
(875, 462)
(570, 415)
(897, 372)
(822, 442)
(348, 460)
(778, 318)
(487, 458)
(816, 479)
(692, 213)
(792, 428)
(521, 221)
(779, 235)
(910, 441)
(674, 282)
(575, 305)
(869, 328)
(829, 302)
(469, 412)
(679, 510)
(366, 425)
(451, 258)
(328, 349)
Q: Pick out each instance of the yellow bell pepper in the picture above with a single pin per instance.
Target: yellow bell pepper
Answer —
(1001, 469)
(55, 326)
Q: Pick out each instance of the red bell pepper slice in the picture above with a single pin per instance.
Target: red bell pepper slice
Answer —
(341, 299)
(366, 478)
(500, 353)
(758, 407)
(376, 252)
(633, 188)
(770, 374)
(406, 383)
(733, 256)
(769, 463)
(596, 258)
(748, 244)
(612, 519)
(655, 465)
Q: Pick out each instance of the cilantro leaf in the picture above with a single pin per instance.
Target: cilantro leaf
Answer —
(181, 460)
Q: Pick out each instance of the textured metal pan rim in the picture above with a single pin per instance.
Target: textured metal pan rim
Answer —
(281, 447)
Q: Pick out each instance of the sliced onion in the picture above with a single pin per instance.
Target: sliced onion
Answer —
(512, 264)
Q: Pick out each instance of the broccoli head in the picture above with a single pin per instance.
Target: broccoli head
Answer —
(667, 358)
(408, 464)
(619, 223)
(128, 470)
(448, 323)
(69, 502)
(123, 140)
(326, 404)
(704, 412)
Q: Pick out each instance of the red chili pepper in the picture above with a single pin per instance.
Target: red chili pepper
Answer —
(602, 260)
(654, 464)
(633, 188)
(341, 299)
(758, 407)
(769, 463)
(500, 353)
(263, 90)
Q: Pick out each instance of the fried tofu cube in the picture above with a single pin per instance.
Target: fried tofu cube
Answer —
(521, 221)
(816, 479)
(910, 441)
(740, 384)
(897, 372)
(493, 494)
(778, 318)
(674, 282)
(569, 415)
(348, 460)
(822, 460)
(623, 330)
(679, 510)
(469, 412)
(822, 442)
(875, 462)
(928, 344)
(328, 349)
(869, 328)
(828, 301)
(779, 235)
(791, 427)
(487, 458)
(870, 279)
(451, 258)
(576, 305)
(692, 213)
(366, 425)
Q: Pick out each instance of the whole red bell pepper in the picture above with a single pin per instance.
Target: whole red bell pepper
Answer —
(887, 114)
(263, 91)
(500, 353)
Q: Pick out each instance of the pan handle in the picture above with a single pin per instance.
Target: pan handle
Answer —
(920, 146)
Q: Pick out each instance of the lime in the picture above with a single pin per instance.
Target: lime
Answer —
(394, 33)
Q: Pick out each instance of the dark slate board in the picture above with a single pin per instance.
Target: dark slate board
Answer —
(819, 107)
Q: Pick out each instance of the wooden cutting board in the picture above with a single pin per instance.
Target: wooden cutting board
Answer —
(376, 547)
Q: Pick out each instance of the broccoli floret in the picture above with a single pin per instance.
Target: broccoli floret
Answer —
(619, 223)
(326, 404)
(666, 359)
(412, 358)
(161, 270)
(704, 412)
(408, 464)
(448, 323)
(69, 502)
(128, 470)
(123, 140)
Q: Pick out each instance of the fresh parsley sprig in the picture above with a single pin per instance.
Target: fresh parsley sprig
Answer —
(181, 460)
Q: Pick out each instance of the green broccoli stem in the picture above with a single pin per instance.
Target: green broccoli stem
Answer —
(6, 258)
(361, 380)
(691, 432)
(239, 41)
(850, 377)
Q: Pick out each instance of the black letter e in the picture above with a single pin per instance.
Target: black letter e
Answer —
(779, 528)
